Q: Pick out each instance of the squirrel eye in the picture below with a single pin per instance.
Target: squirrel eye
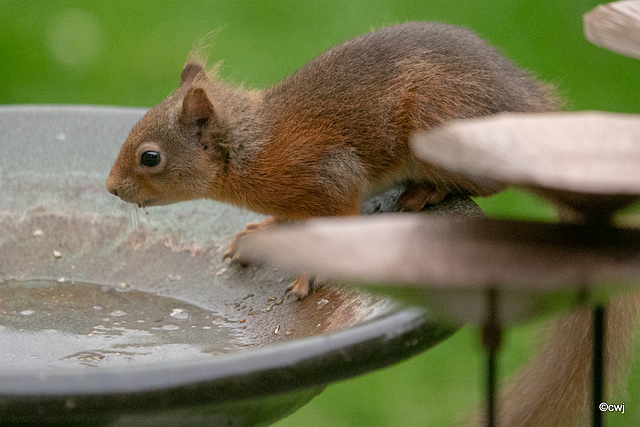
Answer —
(150, 158)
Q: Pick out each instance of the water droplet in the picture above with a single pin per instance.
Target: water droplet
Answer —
(321, 304)
(179, 313)
(123, 287)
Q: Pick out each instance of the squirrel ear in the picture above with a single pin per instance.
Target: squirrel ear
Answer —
(196, 106)
(189, 72)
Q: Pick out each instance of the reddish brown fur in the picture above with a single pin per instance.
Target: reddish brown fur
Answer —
(335, 130)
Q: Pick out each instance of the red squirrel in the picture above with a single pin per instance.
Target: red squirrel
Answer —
(336, 130)
(332, 132)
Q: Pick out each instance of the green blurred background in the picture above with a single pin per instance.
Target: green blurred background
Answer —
(131, 53)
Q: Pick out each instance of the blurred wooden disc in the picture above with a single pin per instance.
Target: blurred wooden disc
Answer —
(416, 251)
(589, 161)
(410, 252)
(615, 26)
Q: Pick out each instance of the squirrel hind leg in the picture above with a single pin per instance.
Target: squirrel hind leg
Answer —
(418, 194)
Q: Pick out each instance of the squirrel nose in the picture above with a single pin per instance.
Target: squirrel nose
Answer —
(111, 188)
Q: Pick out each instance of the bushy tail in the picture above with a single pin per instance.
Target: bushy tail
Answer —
(554, 389)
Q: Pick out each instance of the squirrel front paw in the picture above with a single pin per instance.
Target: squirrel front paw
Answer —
(300, 287)
(254, 227)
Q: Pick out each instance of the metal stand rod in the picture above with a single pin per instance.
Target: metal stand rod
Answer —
(491, 340)
(598, 363)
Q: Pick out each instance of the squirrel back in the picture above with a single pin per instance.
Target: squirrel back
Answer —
(333, 131)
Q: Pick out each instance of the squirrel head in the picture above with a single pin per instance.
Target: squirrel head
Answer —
(177, 151)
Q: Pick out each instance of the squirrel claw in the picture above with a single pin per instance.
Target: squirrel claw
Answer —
(236, 259)
(232, 254)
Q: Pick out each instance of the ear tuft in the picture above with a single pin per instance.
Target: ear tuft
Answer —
(189, 72)
(196, 106)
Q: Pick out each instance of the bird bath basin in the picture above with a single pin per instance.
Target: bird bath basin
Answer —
(112, 315)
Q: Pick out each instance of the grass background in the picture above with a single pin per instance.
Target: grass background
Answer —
(127, 53)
